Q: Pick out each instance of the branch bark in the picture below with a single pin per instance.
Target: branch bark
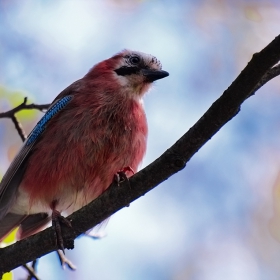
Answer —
(255, 74)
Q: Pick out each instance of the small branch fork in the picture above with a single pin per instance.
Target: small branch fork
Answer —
(262, 68)
(24, 106)
(11, 114)
(269, 75)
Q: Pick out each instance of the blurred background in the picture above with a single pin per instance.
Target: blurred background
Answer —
(219, 217)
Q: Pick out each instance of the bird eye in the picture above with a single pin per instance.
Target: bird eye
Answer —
(134, 60)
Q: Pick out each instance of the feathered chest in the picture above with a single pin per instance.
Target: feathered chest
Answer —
(109, 126)
(96, 131)
(87, 145)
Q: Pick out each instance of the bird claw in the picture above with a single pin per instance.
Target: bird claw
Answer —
(120, 175)
(57, 219)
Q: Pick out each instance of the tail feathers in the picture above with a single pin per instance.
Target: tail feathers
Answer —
(28, 224)
(32, 224)
(10, 222)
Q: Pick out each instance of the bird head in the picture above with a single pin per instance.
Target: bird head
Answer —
(137, 71)
(133, 71)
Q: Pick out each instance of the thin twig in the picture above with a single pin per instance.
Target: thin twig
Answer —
(19, 128)
(24, 106)
(34, 264)
(32, 273)
(33, 268)
(64, 261)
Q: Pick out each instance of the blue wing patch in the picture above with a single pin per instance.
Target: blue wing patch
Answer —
(41, 125)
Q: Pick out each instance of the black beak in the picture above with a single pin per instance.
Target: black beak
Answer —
(153, 75)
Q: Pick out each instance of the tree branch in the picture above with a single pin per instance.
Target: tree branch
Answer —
(269, 75)
(170, 162)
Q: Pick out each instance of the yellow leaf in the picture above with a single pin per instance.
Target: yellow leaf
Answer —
(11, 237)
(8, 276)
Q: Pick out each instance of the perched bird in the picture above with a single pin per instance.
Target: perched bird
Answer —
(93, 129)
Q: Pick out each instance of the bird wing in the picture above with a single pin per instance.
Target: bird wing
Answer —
(15, 172)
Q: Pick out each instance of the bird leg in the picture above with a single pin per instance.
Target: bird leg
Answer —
(120, 175)
(57, 219)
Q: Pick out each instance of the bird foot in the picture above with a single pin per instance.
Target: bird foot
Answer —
(57, 219)
(120, 176)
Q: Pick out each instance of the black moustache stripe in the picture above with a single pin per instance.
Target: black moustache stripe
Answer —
(124, 70)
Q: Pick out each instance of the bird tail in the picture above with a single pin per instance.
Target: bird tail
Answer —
(9, 222)
(32, 224)
(28, 224)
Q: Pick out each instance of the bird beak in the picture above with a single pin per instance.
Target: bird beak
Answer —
(153, 75)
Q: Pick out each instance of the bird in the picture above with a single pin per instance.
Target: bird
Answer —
(93, 129)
